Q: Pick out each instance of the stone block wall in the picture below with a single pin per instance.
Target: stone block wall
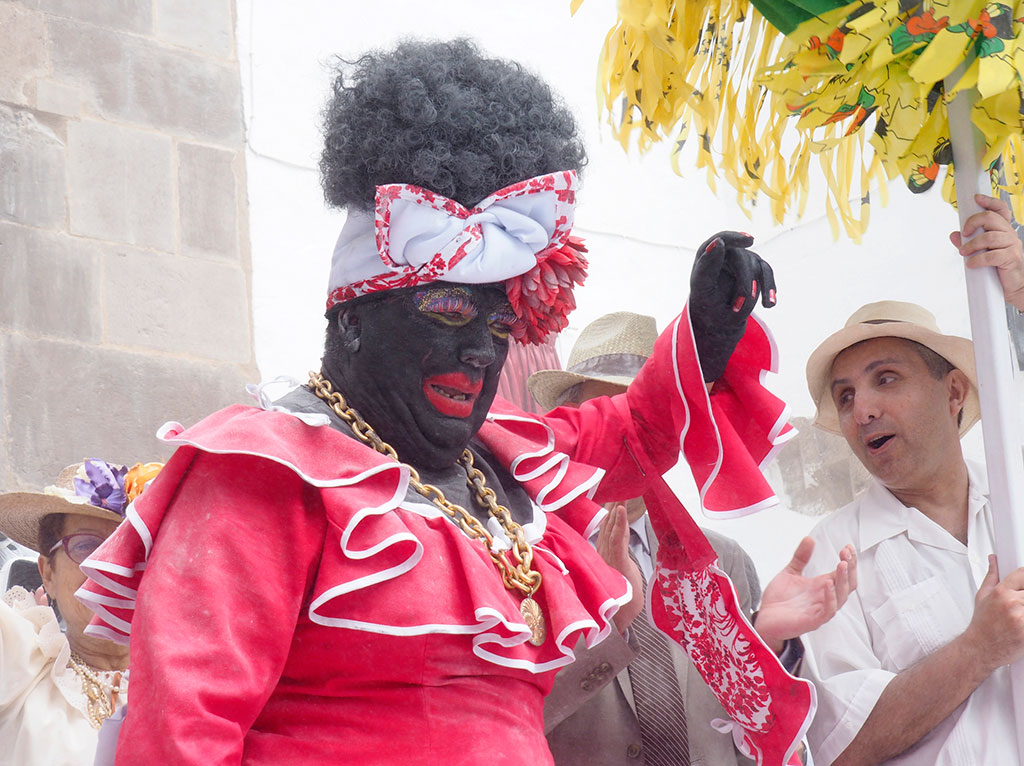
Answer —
(125, 273)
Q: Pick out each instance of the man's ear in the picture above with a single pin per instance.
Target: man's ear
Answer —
(959, 386)
(349, 329)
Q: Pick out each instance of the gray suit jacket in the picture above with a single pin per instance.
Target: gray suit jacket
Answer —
(590, 718)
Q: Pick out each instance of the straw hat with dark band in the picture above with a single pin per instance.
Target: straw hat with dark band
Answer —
(889, 319)
(21, 512)
(611, 349)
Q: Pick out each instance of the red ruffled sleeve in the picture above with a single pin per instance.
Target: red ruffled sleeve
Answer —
(726, 437)
(239, 545)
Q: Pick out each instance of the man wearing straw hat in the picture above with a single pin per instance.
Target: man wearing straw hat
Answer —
(600, 711)
(913, 670)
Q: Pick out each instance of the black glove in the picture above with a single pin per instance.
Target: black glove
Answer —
(724, 284)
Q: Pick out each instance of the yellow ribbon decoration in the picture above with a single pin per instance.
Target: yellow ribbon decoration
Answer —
(718, 71)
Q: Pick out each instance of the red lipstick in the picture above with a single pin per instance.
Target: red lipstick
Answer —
(452, 393)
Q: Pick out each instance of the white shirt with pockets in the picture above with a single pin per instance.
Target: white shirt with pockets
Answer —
(915, 593)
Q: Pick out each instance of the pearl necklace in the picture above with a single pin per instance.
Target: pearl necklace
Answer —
(102, 695)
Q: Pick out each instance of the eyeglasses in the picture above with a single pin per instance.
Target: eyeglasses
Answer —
(79, 546)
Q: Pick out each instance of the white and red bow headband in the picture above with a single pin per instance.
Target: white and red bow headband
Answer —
(519, 235)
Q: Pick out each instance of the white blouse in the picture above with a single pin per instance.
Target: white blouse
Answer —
(44, 717)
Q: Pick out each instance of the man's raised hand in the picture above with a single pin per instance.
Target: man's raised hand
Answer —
(996, 245)
(793, 604)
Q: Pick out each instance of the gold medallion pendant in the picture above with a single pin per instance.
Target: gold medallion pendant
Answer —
(530, 610)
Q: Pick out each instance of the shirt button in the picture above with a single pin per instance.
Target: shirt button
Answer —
(586, 685)
(604, 667)
(634, 750)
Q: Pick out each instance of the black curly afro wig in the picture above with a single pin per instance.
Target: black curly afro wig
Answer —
(442, 116)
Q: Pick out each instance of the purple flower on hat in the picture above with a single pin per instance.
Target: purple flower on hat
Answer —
(104, 486)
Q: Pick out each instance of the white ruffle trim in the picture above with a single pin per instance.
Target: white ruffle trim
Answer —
(487, 618)
(775, 436)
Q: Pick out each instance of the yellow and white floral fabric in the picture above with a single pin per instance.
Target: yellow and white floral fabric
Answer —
(863, 81)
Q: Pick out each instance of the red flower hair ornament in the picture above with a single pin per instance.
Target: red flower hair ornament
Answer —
(519, 235)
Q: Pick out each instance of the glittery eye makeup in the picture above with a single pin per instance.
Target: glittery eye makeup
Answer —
(456, 307)
(501, 321)
(449, 305)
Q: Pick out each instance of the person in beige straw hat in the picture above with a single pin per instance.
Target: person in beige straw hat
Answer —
(57, 688)
(604, 360)
(913, 669)
(596, 713)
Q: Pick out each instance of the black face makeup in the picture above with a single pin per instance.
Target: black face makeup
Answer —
(421, 365)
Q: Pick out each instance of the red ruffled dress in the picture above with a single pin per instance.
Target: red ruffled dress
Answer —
(289, 605)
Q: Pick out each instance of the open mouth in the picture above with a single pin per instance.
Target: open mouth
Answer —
(453, 393)
(878, 442)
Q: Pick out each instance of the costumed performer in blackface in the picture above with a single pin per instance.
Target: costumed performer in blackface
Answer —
(381, 567)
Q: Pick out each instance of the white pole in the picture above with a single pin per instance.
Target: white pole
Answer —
(1000, 419)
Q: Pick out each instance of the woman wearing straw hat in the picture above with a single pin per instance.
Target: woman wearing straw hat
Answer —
(57, 688)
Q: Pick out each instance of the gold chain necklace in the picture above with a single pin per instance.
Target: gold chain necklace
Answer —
(521, 577)
(101, 695)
